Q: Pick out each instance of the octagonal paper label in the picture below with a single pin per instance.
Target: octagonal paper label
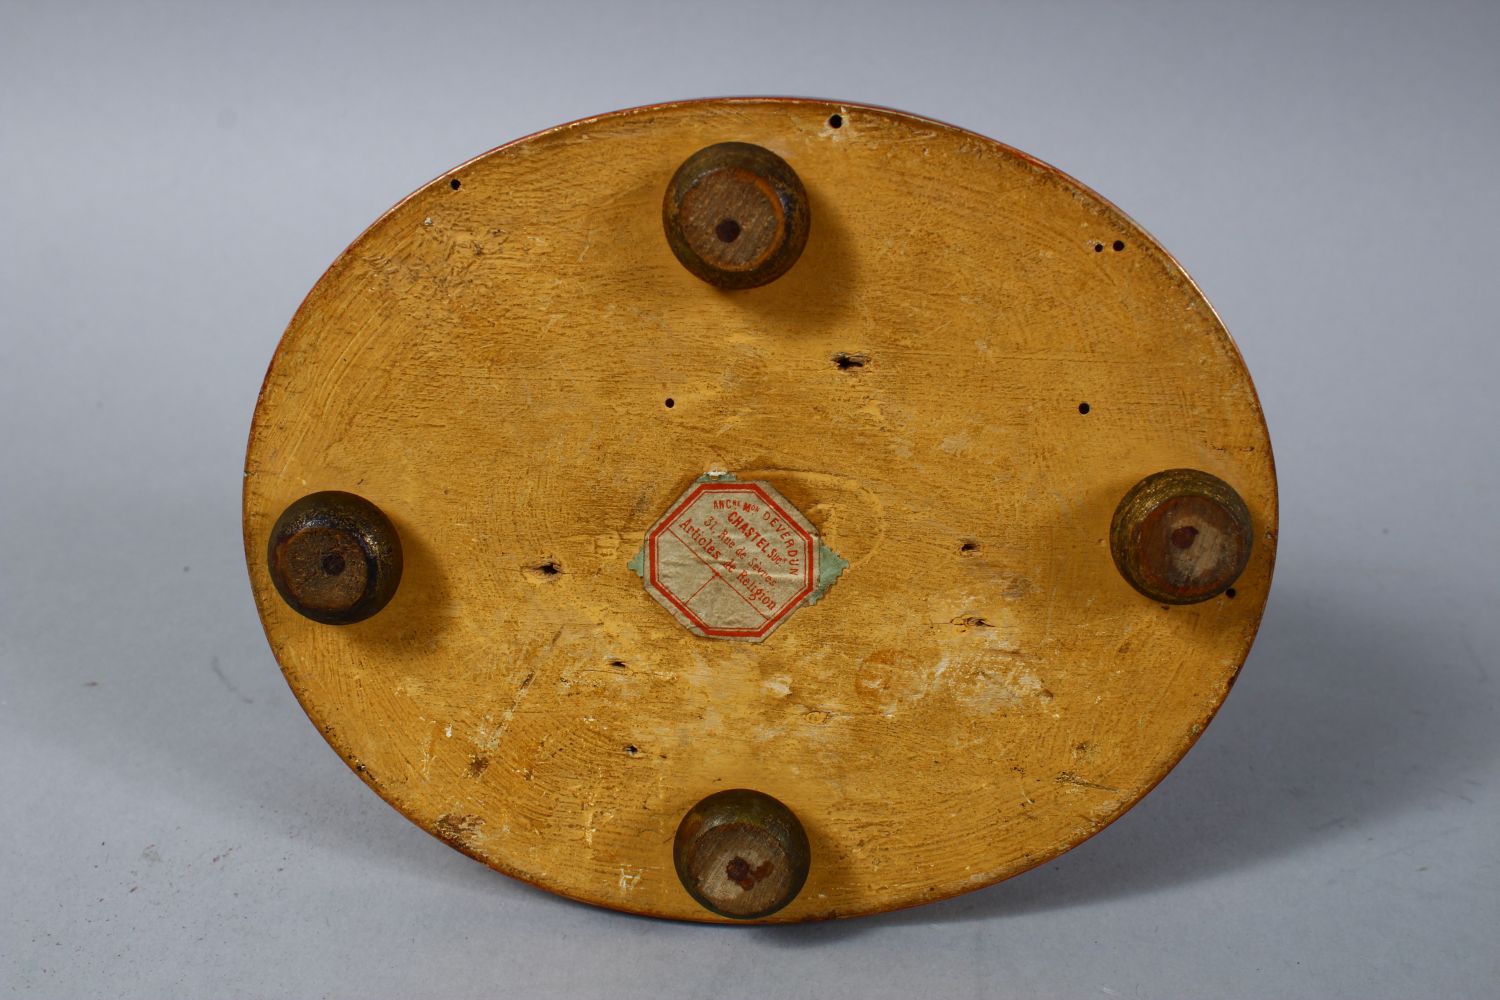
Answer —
(733, 560)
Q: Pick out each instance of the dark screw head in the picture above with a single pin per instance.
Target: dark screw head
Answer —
(741, 854)
(736, 215)
(1181, 536)
(334, 558)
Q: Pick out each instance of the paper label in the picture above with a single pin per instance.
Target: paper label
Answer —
(733, 560)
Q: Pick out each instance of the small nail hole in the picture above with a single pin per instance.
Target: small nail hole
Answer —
(617, 663)
(728, 230)
(969, 548)
(632, 750)
(847, 361)
(455, 184)
(1229, 593)
(1084, 407)
(670, 402)
(835, 121)
(1119, 245)
(549, 570)
(1098, 248)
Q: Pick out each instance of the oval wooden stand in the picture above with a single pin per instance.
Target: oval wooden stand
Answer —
(971, 363)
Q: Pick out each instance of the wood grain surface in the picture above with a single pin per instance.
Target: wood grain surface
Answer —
(490, 364)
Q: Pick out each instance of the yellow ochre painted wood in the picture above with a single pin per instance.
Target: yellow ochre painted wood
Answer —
(980, 690)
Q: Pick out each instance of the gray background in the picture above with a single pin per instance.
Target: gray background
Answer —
(174, 177)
